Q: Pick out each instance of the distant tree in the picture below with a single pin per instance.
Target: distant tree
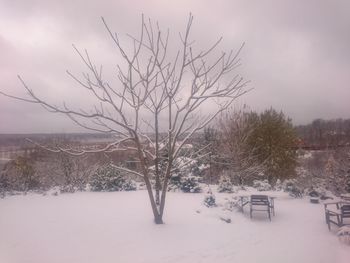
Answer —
(211, 141)
(210, 137)
(339, 180)
(273, 142)
(347, 183)
(74, 170)
(235, 127)
(325, 133)
(331, 171)
(347, 170)
(20, 175)
(69, 173)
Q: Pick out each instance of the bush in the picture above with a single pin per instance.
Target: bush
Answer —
(108, 179)
(291, 187)
(129, 185)
(344, 235)
(262, 185)
(19, 175)
(174, 182)
(278, 185)
(190, 184)
(320, 192)
(184, 168)
(232, 203)
(225, 184)
(209, 199)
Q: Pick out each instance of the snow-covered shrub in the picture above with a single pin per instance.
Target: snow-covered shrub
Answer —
(185, 176)
(344, 234)
(141, 186)
(231, 204)
(108, 178)
(240, 188)
(209, 199)
(186, 171)
(290, 186)
(312, 193)
(174, 182)
(278, 185)
(53, 191)
(68, 189)
(262, 185)
(320, 192)
(324, 194)
(129, 185)
(186, 165)
(190, 184)
(225, 184)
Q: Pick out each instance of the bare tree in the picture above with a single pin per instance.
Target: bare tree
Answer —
(156, 92)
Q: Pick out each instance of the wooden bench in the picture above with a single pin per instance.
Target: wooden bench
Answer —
(337, 213)
(262, 203)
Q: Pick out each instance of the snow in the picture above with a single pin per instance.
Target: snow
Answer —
(117, 227)
(306, 155)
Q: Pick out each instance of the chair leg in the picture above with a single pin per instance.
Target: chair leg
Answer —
(327, 221)
(340, 220)
(272, 205)
(329, 226)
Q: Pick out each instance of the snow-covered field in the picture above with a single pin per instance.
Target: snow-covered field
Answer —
(117, 227)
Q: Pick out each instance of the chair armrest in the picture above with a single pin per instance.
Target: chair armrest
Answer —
(326, 204)
(334, 211)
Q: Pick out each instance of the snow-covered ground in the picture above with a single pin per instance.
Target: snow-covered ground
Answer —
(117, 227)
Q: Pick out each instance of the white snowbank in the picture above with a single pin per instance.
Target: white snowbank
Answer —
(118, 227)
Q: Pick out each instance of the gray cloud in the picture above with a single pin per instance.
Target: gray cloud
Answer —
(296, 55)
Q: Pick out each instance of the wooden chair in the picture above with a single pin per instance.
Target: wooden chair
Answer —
(345, 197)
(337, 213)
(261, 203)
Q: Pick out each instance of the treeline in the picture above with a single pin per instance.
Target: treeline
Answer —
(21, 140)
(41, 170)
(325, 133)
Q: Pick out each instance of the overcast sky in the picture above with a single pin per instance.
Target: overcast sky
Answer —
(297, 52)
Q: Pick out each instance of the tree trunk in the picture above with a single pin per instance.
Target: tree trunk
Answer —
(158, 217)
(157, 186)
(165, 187)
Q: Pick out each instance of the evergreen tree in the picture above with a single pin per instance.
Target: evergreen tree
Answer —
(190, 184)
(108, 178)
(273, 141)
(209, 199)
